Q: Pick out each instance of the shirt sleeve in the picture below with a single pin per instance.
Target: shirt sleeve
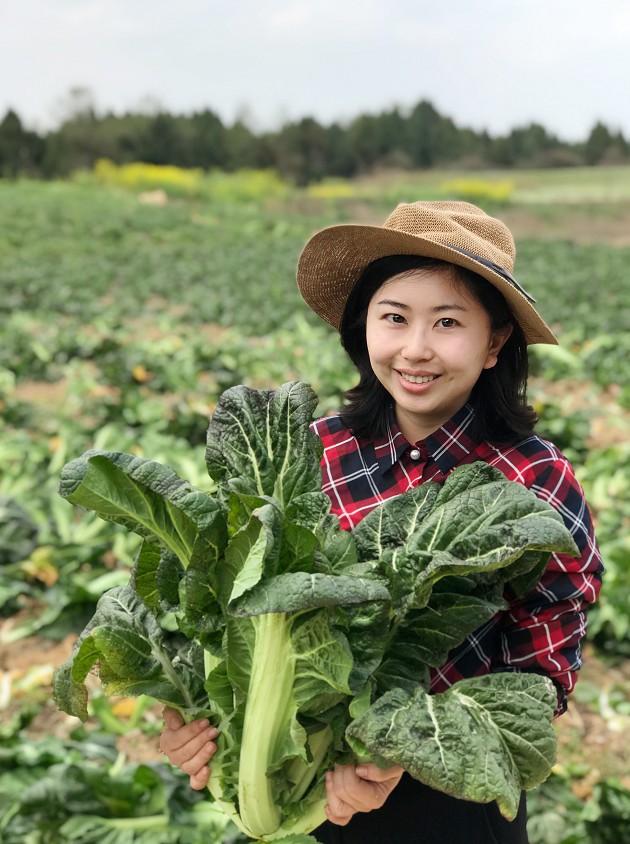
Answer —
(541, 631)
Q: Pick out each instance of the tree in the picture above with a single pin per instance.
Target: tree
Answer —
(597, 143)
(423, 135)
(364, 142)
(529, 143)
(207, 146)
(302, 151)
(163, 141)
(339, 155)
(245, 149)
(21, 151)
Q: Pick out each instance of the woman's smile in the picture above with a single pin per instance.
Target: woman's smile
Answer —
(416, 384)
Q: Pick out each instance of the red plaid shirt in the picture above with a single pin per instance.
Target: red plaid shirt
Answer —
(540, 632)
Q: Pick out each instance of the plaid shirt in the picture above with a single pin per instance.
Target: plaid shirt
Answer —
(540, 632)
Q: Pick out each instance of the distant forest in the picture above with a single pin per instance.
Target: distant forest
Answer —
(303, 151)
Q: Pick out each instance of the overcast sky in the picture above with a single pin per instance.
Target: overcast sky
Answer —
(491, 64)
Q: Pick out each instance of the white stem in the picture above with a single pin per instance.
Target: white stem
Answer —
(268, 697)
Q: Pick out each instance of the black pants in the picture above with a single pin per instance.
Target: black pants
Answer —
(416, 814)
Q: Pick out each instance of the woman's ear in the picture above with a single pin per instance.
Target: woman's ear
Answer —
(500, 336)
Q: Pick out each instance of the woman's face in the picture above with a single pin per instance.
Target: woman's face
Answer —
(422, 323)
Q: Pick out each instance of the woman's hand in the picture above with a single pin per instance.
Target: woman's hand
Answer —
(189, 746)
(351, 789)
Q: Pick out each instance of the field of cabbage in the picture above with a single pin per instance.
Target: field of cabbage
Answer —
(125, 310)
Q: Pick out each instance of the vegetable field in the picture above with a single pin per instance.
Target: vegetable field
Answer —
(126, 308)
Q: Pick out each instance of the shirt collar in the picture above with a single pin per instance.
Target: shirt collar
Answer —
(447, 446)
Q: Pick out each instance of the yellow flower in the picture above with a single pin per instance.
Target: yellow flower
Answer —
(499, 191)
(140, 176)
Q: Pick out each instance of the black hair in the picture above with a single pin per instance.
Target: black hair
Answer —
(500, 395)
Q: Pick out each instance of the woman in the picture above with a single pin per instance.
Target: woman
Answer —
(438, 328)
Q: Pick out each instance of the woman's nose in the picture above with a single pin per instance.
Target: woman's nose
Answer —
(417, 347)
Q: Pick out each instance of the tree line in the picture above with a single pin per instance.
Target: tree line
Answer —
(303, 151)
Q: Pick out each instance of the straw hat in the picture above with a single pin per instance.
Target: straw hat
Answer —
(457, 232)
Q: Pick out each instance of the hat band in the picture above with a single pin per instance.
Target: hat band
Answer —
(497, 269)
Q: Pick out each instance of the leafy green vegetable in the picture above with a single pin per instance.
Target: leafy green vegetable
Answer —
(306, 644)
(18, 532)
(489, 726)
(558, 816)
(82, 791)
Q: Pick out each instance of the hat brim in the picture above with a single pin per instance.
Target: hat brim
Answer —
(335, 257)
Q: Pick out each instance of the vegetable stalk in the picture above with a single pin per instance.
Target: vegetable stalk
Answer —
(269, 699)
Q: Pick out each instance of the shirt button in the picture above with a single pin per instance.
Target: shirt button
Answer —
(414, 454)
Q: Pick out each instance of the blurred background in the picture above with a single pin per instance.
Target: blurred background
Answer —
(161, 166)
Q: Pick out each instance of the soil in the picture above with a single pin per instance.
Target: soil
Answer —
(49, 393)
(610, 422)
(579, 225)
(594, 735)
(138, 747)
(35, 650)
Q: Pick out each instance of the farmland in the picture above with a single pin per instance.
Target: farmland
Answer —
(127, 306)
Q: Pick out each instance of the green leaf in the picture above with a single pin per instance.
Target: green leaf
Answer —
(259, 442)
(291, 593)
(142, 495)
(134, 657)
(220, 692)
(524, 574)
(144, 573)
(484, 739)
(310, 510)
(239, 646)
(477, 522)
(401, 668)
(298, 549)
(156, 575)
(18, 532)
(338, 547)
(323, 664)
(201, 616)
(262, 554)
(251, 552)
(424, 638)
(240, 507)
(367, 628)
(393, 525)
(444, 623)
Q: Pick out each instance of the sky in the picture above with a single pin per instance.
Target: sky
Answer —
(487, 64)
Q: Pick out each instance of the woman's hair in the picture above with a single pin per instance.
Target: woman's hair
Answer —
(500, 395)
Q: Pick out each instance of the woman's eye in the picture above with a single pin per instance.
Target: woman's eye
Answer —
(398, 319)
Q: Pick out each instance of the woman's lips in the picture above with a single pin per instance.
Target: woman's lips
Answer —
(415, 388)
